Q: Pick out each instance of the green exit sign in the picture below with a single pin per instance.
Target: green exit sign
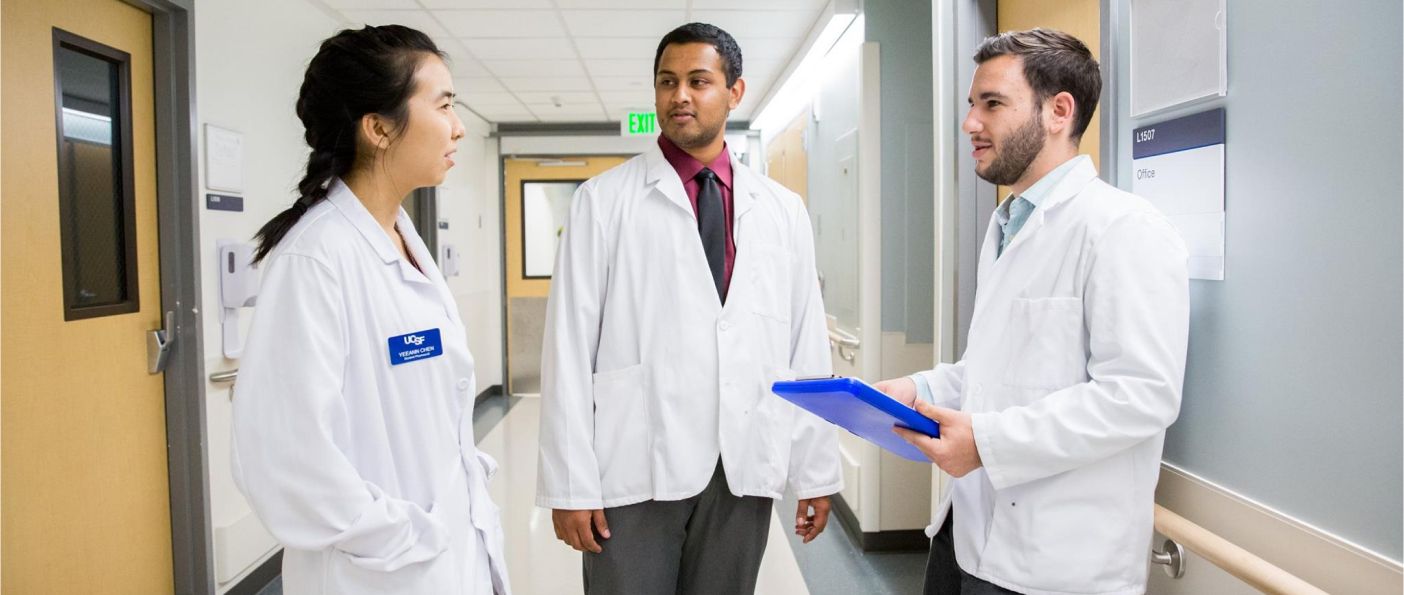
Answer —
(639, 124)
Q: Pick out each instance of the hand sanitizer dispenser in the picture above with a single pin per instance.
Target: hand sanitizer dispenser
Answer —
(238, 288)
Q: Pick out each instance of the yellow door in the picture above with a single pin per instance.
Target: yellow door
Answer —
(527, 290)
(787, 161)
(84, 502)
(1079, 18)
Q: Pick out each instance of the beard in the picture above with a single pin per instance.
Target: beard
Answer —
(1016, 153)
(704, 135)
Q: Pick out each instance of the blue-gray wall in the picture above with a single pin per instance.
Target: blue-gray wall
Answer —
(902, 29)
(1293, 394)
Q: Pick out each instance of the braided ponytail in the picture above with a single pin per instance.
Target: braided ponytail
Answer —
(355, 72)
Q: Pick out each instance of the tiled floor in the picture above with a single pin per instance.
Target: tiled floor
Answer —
(540, 565)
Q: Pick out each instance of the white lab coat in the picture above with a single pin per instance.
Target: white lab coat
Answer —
(1074, 369)
(365, 472)
(647, 378)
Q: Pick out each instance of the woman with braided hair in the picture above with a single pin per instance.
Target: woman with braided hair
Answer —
(353, 426)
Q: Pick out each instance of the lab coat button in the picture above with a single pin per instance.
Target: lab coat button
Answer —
(462, 384)
(724, 325)
(979, 388)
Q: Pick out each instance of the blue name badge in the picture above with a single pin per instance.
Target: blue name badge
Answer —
(415, 346)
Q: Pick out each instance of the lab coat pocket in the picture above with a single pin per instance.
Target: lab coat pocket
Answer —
(623, 434)
(1067, 532)
(1047, 343)
(769, 302)
(772, 420)
(345, 576)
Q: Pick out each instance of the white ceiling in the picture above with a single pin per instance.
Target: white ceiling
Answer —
(583, 60)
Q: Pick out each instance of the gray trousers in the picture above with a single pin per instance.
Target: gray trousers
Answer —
(708, 544)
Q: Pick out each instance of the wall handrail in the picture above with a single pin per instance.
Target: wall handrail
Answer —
(1247, 567)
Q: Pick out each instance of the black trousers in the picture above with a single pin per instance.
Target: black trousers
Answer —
(944, 576)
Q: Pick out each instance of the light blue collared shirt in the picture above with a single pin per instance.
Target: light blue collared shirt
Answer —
(1011, 216)
(1015, 210)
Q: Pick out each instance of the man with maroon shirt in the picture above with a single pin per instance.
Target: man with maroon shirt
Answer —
(685, 285)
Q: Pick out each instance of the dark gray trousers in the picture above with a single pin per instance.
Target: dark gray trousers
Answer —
(709, 544)
(944, 576)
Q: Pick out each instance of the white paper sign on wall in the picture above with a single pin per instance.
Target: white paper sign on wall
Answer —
(1178, 165)
(224, 159)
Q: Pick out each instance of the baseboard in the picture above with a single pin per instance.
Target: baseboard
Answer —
(906, 540)
(490, 391)
(258, 579)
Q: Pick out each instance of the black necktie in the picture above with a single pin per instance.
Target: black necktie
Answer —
(711, 225)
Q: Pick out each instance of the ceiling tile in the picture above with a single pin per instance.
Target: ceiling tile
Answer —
(640, 84)
(547, 84)
(558, 118)
(643, 98)
(761, 69)
(767, 49)
(344, 5)
(759, 23)
(566, 98)
(544, 48)
(486, 98)
(768, 4)
(617, 110)
(620, 67)
(622, 4)
(477, 85)
(461, 64)
(506, 114)
(479, 4)
(535, 68)
(545, 109)
(415, 19)
(501, 23)
(601, 48)
(653, 24)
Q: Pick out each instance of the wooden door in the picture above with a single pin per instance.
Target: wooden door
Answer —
(84, 499)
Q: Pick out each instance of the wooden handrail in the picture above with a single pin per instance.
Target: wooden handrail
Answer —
(1256, 572)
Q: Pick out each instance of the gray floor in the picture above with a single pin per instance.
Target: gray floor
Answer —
(832, 564)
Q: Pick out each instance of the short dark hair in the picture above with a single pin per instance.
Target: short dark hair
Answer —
(1053, 62)
(710, 34)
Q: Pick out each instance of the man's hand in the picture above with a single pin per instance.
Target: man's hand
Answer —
(954, 452)
(808, 525)
(903, 389)
(577, 528)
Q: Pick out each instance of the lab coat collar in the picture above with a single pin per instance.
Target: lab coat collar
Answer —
(744, 188)
(346, 202)
(1070, 185)
(664, 178)
(661, 175)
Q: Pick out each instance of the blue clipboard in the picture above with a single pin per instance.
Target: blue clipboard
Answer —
(861, 409)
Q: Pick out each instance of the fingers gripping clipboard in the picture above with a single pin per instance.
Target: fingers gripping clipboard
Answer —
(861, 409)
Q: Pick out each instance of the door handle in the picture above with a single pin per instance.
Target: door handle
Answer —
(158, 345)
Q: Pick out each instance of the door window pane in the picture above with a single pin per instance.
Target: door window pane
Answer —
(545, 208)
(97, 222)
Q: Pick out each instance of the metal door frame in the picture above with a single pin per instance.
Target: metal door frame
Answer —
(177, 205)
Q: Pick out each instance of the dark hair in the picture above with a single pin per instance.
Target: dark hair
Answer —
(1053, 62)
(710, 34)
(355, 72)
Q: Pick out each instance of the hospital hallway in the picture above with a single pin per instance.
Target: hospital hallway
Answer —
(539, 564)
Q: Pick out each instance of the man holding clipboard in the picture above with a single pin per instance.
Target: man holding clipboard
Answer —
(1053, 420)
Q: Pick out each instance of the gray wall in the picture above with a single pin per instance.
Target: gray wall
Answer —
(902, 29)
(1293, 393)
